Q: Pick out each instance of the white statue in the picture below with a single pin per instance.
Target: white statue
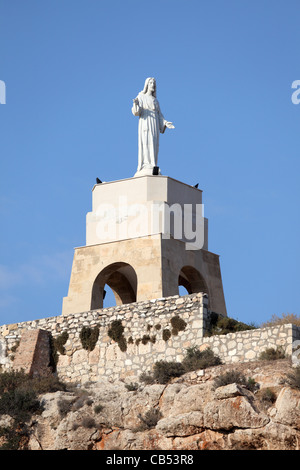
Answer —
(151, 124)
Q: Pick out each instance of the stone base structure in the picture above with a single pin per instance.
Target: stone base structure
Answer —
(145, 237)
(151, 268)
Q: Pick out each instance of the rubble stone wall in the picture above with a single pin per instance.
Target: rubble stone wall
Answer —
(151, 332)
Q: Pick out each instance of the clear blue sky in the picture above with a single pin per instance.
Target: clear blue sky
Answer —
(224, 72)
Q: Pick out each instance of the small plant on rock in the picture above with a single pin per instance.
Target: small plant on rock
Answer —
(268, 397)
(132, 387)
(272, 354)
(88, 422)
(149, 420)
(98, 408)
(293, 379)
(147, 378)
(234, 376)
(64, 407)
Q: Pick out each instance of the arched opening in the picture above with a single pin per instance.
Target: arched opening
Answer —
(122, 280)
(191, 281)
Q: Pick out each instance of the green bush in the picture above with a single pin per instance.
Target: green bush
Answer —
(234, 376)
(64, 407)
(57, 345)
(12, 380)
(251, 384)
(12, 437)
(46, 384)
(166, 334)
(115, 332)
(149, 420)
(178, 324)
(196, 359)
(145, 339)
(89, 337)
(132, 387)
(60, 341)
(147, 378)
(220, 325)
(268, 397)
(80, 402)
(88, 422)
(19, 404)
(282, 319)
(164, 371)
(19, 399)
(272, 354)
(98, 408)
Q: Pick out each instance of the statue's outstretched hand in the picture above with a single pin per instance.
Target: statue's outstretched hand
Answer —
(169, 125)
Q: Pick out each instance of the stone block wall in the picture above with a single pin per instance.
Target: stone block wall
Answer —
(148, 335)
(147, 326)
(245, 346)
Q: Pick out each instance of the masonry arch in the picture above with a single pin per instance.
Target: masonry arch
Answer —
(191, 279)
(121, 278)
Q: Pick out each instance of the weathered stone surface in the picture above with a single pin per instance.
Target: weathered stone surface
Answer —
(193, 416)
(288, 408)
(273, 436)
(234, 412)
(182, 425)
(229, 391)
(183, 399)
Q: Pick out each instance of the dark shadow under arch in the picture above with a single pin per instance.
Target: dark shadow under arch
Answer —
(192, 280)
(121, 278)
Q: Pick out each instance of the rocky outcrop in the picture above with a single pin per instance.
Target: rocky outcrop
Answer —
(187, 414)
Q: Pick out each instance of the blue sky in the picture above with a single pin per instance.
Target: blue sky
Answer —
(224, 73)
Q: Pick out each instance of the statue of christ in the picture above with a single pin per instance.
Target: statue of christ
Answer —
(151, 124)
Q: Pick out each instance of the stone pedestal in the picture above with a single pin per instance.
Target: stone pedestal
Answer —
(145, 236)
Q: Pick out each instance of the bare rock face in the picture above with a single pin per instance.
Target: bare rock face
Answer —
(287, 408)
(187, 414)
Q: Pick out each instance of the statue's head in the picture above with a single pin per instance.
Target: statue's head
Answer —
(150, 84)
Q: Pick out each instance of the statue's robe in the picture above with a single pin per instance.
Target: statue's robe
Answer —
(151, 124)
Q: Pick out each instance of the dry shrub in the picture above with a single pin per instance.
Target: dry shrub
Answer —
(282, 320)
